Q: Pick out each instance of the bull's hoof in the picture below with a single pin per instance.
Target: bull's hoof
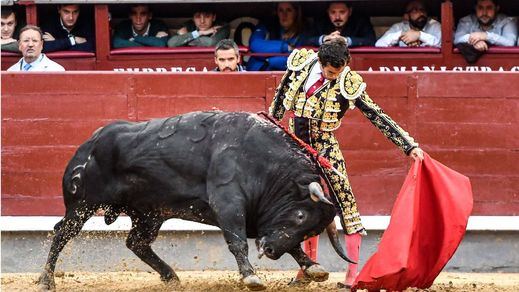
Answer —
(172, 285)
(254, 283)
(317, 273)
(300, 283)
(171, 276)
(46, 282)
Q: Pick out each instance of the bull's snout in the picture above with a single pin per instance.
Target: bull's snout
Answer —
(269, 252)
(265, 249)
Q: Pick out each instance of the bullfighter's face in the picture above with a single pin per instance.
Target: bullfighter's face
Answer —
(331, 73)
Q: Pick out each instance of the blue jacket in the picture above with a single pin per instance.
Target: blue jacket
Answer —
(267, 39)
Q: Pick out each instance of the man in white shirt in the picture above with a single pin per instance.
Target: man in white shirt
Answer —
(417, 29)
(31, 44)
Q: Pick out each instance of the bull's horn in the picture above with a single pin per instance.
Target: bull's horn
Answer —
(317, 194)
(333, 235)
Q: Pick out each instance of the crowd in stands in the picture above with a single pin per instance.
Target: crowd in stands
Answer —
(274, 38)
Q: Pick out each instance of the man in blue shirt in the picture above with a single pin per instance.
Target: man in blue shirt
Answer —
(69, 31)
(486, 27)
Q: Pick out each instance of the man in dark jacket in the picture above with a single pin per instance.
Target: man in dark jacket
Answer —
(9, 27)
(68, 31)
(227, 57)
(356, 30)
(141, 30)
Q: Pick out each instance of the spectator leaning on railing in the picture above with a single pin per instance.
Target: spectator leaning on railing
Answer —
(417, 29)
(202, 31)
(140, 30)
(31, 45)
(69, 31)
(486, 27)
(227, 57)
(9, 23)
(344, 23)
(277, 36)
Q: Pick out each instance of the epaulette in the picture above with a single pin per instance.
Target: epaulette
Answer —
(300, 58)
(351, 84)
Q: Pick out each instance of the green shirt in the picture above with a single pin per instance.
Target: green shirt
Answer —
(124, 36)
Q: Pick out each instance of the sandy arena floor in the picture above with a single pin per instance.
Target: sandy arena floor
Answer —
(228, 281)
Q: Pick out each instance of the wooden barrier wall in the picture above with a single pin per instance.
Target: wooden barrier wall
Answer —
(468, 121)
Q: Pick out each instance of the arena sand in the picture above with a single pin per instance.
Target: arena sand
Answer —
(228, 281)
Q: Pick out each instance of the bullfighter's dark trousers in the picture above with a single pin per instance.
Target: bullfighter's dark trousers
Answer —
(327, 146)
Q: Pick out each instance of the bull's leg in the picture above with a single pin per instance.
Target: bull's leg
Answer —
(65, 230)
(232, 222)
(311, 269)
(237, 243)
(143, 233)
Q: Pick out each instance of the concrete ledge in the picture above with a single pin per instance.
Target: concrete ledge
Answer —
(46, 223)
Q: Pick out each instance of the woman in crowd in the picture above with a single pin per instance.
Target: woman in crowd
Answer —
(276, 37)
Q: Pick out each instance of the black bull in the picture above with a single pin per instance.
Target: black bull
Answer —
(232, 170)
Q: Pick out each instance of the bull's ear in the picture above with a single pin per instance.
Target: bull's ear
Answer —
(302, 188)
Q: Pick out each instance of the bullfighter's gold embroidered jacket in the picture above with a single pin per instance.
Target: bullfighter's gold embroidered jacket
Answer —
(329, 103)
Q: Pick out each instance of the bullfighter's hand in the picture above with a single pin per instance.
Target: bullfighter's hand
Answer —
(417, 154)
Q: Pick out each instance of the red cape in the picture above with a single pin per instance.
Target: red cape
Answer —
(427, 224)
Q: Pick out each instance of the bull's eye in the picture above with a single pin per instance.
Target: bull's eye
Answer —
(300, 216)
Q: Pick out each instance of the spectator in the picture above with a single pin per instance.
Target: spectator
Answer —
(417, 29)
(201, 31)
(69, 31)
(486, 27)
(279, 36)
(8, 21)
(227, 57)
(355, 29)
(140, 30)
(31, 45)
